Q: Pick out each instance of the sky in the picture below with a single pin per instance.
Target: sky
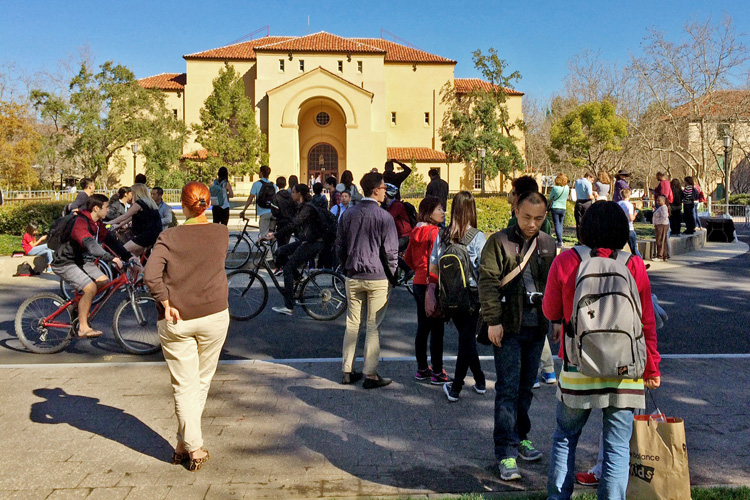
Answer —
(537, 38)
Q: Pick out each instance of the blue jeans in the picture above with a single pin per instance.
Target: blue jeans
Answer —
(616, 430)
(633, 243)
(43, 250)
(558, 216)
(516, 365)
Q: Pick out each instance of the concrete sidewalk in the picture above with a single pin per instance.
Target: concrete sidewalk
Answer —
(291, 431)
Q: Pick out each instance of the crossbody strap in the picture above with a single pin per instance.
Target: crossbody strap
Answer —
(521, 267)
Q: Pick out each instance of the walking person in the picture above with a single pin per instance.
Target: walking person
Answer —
(437, 187)
(193, 314)
(221, 192)
(261, 193)
(689, 199)
(620, 184)
(463, 236)
(558, 199)
(417, 257)
(604, 232)
(512, 279)
(601, 186)
(283, 210)
(367, 249)
(584, 197)
(631, 213)
(661, 229)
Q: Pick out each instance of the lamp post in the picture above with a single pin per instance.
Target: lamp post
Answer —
(134, 147)
(482, 152)
(727, 143)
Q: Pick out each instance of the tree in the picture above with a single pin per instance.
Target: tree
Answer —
(54, 140)
(415, 183)
(228, 129)
(19, 143)
(583, 136)
(481, 120)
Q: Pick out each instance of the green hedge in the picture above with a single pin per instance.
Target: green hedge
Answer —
(739, 199)
(14, 218)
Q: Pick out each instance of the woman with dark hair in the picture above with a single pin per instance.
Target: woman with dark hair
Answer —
(463, 222)
(293, 181)
(689, 201)
(417, 257)
(604, 229)
(193, 313)
(117, 207)
(347, 184)
(146, 220)
(221, 191)
(675, 208)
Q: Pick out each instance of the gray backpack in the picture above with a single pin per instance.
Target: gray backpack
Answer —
(605, 337)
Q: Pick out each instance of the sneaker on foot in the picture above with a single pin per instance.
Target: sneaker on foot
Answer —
(423, 374)
(536, 384)
(549, 378)
(440, 378)
(374, 383)
(351, 377)
(283, 310)
(449, 393)
(480, 389)
(657, 259)
(587, 479)
(526, 451)
(509, 469)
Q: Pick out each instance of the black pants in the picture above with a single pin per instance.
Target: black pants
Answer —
(688, 210)
(432, 328)
(579, 210)
(221, 215)
(675, 220)
(468, 357)
(291, 257)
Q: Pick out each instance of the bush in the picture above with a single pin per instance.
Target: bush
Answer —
(739, 199)
(14, 218)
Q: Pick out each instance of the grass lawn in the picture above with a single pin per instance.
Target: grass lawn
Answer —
(9, 243)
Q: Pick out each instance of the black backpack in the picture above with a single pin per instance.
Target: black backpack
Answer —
(454, 271)
(265, 195)
(25, 269)
(328, 223)
(411, 211)
(282, 205)
(59, 232)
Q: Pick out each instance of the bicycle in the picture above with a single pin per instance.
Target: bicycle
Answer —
(68, 292)
(320, 292)
(240, 249)
(46, 323)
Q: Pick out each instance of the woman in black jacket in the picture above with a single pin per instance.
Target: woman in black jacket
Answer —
(675, 212)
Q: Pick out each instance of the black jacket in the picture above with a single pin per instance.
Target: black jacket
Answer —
(305, 225)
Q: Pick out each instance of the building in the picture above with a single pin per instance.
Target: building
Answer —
(328, 103)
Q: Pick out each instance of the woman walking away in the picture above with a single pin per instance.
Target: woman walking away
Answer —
(604, 230)
(193, 313)
(462, 231)
(417, 257)
(146, 220)
(221, 191)
(601, 186)
(675, 208)
(558, 198)
(689, 199)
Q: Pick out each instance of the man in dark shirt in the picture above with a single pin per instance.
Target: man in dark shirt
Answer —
(391, 177)
(87, 189)
(437, 187)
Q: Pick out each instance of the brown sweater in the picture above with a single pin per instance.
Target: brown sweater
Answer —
(186, 267)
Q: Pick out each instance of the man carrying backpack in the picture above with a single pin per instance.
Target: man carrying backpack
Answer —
(283, 209)
(512, 278)
(262, 193)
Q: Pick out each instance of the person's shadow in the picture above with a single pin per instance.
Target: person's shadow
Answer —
(87, 414)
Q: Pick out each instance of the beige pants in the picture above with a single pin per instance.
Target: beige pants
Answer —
(191, 349)
(547, 364)
(375, 294)
(264, 224)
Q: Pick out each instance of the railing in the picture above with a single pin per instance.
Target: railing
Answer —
(738, 213)
(17, 197)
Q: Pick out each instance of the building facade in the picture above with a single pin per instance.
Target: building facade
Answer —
(329, 104)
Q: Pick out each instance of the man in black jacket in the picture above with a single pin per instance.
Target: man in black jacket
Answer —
(437, 187)
(283, 209)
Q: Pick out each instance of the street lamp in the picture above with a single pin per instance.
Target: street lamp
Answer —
(134, 147)
(727, 143)
(482, 152)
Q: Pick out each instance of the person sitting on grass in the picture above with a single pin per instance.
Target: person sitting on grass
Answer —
(36, 246)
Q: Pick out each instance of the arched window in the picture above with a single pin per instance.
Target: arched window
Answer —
(323, 158)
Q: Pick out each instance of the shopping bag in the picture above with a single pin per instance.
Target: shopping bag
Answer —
(658, 459)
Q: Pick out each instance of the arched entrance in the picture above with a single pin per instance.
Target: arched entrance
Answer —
(323, 161)
(322, 139)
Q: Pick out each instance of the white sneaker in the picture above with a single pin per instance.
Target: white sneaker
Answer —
(657, 259)
(283, 310)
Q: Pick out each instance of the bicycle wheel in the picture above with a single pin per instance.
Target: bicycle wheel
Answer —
(238, 252)
(36, 337)
(134, 325)
(322, 296)
(67, 291)
(248, 294)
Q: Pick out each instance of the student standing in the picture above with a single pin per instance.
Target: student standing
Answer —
(558, 199)
(661, 228)
(584, 197)
(630, 212)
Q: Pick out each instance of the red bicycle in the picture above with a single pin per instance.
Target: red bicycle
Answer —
(46, 323)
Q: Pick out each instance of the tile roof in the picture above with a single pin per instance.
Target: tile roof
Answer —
(718, 105)
(466, 85)
(418, 154)
(395, 52)
(321, 69)
(200, 154)
(322, 42)
(164, 81)
(243, 50)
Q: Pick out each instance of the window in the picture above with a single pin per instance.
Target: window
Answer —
(477, 179)
(237, 178)
(427, 118)
(359, 66)
(281, 65)
(174, 112)
(323, 118)
(341, 66)
(302, 65)
(393, 118)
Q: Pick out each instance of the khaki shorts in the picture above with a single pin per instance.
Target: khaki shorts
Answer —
(76, 276)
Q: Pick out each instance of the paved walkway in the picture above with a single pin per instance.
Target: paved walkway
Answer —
(291, 431)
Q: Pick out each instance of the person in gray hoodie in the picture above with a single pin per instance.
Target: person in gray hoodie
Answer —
(367, 248)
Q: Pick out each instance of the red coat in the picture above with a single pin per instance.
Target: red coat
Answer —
(403, 225)
(664, 188)
(417, 255)
(558, 299)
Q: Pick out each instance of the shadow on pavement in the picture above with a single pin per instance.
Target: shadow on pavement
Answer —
(88, 415)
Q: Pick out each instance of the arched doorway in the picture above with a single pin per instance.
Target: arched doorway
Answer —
(323, 161)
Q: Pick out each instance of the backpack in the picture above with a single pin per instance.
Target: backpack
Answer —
(59, 232)
(218, 194)
(411, 211)
(605, 334)
(454, 271)
(25, 269)
(265, 195)
(328, 223)
(282, 205)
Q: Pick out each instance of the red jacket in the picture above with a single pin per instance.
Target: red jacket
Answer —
(558, 299)
(417, 255)
(398, 211)
(664, 188)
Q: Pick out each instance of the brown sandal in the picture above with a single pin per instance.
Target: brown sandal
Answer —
(180, 458)
(196, 463)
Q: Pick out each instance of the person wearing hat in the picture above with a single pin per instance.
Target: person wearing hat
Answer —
(621, 184)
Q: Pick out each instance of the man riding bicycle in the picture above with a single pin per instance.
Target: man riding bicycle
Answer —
(74, 260)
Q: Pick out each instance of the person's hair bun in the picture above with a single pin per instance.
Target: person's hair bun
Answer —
(196, 196)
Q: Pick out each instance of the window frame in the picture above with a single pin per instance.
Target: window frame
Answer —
(394, 119)
(282, 66)
(360, 67)
(301, 65)
(340, 66)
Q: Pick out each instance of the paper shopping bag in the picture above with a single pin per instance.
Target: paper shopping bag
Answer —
(658, 460)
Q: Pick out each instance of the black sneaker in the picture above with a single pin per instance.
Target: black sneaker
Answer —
(351, 377)
(370, 383)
